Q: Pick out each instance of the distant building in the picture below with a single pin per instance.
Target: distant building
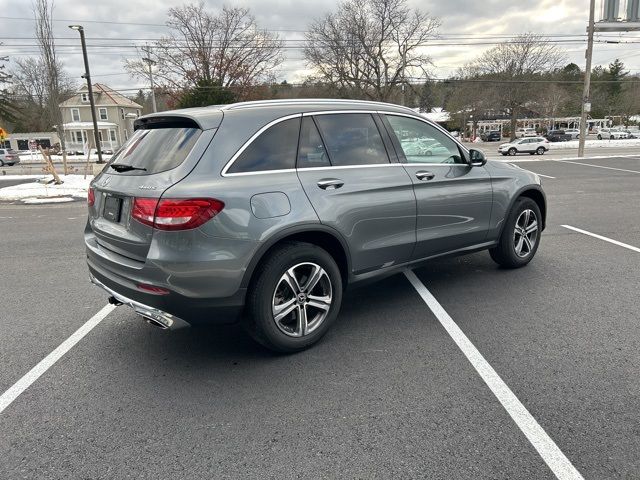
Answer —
(20, 141)
(114, 112)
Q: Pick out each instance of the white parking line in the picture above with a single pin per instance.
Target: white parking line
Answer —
(47, 362)
(541, 175)
(606, 239)
(546, 447)
(598, 166)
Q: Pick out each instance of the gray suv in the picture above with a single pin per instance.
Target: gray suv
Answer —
(265, 211)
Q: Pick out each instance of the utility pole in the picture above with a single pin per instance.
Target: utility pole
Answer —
(87, 75)
(151, 63)
(586, 102)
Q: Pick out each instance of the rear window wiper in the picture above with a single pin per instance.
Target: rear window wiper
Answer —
(119, 167)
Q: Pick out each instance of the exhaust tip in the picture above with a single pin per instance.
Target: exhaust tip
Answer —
(114, 301)
(155, 323)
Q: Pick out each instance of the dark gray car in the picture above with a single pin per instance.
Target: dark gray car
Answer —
(265, 211)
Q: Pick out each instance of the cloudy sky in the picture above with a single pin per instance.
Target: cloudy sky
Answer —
(131, 22)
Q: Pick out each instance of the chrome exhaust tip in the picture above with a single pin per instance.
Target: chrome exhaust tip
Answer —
(155, 323)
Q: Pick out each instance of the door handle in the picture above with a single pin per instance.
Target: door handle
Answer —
(424, 175)
(330, 184)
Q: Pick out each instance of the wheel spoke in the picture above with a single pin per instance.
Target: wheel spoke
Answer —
(316, 274)
(284, 309)
(527, 243)
(323, 303)
(290, 277)
(526, 218)
(532, 228)
(301, 328)
(519, 245)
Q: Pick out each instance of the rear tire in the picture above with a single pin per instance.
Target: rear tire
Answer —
(513, 251)
(1, 163)
(540, 151)
(599, 137)
(305, 313)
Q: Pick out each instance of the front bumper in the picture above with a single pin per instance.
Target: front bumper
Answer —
(153, 315)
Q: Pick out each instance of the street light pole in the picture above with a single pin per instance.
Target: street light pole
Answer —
(586, 104)
(87, 75)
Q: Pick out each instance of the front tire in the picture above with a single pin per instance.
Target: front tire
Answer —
(295, 298)
(520, 237)
(512, 151)
(599, 137)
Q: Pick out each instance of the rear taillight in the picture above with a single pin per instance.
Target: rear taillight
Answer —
(175, 213)
(91, 197)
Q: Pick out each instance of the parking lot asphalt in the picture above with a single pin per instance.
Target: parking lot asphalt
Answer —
(386, 394)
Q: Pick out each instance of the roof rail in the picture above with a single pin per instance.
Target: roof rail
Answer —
(302, 101)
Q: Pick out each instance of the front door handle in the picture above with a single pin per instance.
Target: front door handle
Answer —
(424, 175)
(330, 183)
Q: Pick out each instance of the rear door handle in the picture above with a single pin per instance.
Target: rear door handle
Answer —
(330, 183)
(424, 175)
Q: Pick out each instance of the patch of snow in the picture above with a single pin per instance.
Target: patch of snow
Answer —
(47, 200)
(74, 187)
(621, 143)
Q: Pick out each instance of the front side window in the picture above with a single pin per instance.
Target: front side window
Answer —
(274, 149)
(75, 114)
(423, 143)
(103, 114)
(352, 139)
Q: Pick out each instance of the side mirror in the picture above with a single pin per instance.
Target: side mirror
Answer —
(477, 158)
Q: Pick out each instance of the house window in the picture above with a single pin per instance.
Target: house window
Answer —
(78, 136)
(137, 113)
(100, 135)
(112, 135)
(84, 97)
(126, 136)
(75, 114)
(122, 113)
(103, 114)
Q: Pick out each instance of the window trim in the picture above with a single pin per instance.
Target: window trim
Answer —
(235, 156)
(464, 150)
(106, 113)
(73, 117)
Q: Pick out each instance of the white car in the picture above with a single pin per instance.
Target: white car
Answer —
(574, 132)
(612, 134)
(526, 132)
(532, 146)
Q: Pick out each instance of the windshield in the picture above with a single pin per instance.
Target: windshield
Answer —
(156, 150)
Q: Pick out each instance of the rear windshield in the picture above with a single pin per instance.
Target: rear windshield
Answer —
(156, 150)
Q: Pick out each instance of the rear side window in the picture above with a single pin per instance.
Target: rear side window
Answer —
(156, 150)
(274, 149)
(352, 139)
(311, 152)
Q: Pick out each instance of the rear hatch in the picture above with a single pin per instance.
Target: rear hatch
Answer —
(157, 156)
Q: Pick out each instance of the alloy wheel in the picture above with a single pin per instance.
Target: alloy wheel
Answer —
(302, 299)
(525, 234)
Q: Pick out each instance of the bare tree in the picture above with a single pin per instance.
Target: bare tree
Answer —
(43, 11)
(31, 87)
(7, 107)
(227, 49)
(513, 66)
(371, 47)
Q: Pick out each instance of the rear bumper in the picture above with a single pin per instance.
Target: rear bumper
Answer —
(153, 315)
(172, 311)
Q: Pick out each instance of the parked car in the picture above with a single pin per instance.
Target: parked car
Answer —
(558, 136)
(492, 136)
(574, 132)
(532, 146)
(9, 157)
(526, 132)
(612, 134)
(632, 133)
(265, 211)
